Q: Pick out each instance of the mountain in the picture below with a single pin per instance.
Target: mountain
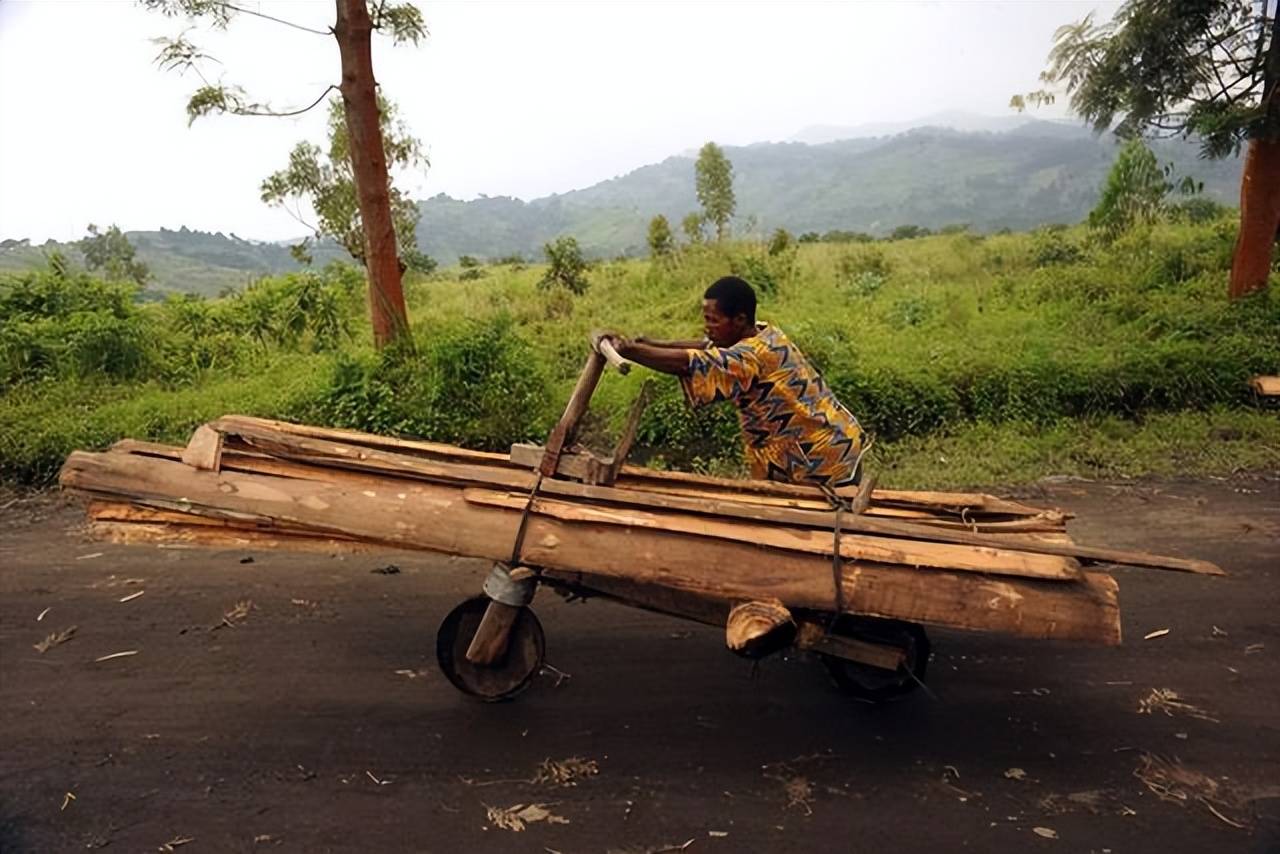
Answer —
(952, 120)
(1032, 173)
(1017, 173)
(184, 260)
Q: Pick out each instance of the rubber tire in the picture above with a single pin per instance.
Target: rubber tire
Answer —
(526, 652)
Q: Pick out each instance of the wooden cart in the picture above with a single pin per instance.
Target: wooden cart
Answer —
(853, 577)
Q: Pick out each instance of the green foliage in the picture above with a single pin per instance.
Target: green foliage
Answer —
(693, 225)
(661, 241)
(909, 232)
(1194, 68)
(929, 341)
(112, 253)
(714, 186)
(325, 181)
(1134, 193)
(565, 267)
(781, 242)
(473, 383)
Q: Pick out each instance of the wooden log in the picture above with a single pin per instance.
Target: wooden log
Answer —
(815, 638)
(912, 553)
(174, 535)
(437, 517)
(204, 451)
(759, 627)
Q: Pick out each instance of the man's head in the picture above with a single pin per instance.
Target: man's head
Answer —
(729, 311)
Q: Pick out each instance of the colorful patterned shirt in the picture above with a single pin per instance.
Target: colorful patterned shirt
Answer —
(794, 428)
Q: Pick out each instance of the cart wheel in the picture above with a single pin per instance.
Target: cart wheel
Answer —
(874, 684)
(502, 680)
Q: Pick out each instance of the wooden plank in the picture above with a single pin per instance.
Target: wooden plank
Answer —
(629, 430)
(567, 427)
(204, 451)
(1266, 386)
(202, 537)
(412, 447)
(436, 517)
(959, 558)
(815, 638)
(485, 476)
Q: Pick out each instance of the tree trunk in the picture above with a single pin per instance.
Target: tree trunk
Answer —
(369, 168)
(1259, 217)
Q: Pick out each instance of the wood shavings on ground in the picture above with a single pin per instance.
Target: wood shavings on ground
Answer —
(565, 772)
(131, 596)
(237, 614)
(1158, 633)
(1170, 780)
(517, 818)
(125, 654)
(1093, 801)
(66, 800)
(1046, 832)
(1168, 701)
(175, 843)
(42, 614)
(1015, 774)
(55, 639)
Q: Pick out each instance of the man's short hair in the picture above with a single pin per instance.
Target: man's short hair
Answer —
(734, 296)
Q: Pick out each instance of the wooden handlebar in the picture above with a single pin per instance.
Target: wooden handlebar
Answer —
(611, 356)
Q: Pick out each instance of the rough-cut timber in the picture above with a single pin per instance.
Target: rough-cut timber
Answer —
(436, 515)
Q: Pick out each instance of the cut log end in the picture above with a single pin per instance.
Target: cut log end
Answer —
(760, 627)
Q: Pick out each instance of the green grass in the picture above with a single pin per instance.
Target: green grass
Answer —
(973, 360)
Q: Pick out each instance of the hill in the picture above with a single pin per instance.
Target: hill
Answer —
(1031, 174)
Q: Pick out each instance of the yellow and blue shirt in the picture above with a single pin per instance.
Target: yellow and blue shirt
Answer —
(793, 427)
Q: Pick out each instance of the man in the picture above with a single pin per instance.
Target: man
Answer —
(793, 427)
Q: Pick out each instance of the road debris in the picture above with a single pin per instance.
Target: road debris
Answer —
(55, 639)
(90, 556)
(516, 818)
(1046, 832)
(238, 613)
(1168, 701)
(565, 772)
(124, 654)
(247, 559)
(1158, 633)
(1170, 780)
(131, 596)
(1015, 774)
(372, 777)
(67, 799)
(1218, 633)
(175, 843)
(560, 675)
(718, 834)
(1254, 648)
(389, 569)
(41, 615)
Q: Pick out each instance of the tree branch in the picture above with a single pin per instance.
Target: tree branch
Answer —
(264, 15)
(251, 111)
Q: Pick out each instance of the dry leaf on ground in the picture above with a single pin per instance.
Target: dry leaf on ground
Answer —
(54, 639)
(565, 772)
(1168, 701)
(517, 818)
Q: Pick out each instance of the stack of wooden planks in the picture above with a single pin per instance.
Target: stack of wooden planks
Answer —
(680, 542)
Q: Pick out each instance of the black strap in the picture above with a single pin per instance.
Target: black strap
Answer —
(524, 522)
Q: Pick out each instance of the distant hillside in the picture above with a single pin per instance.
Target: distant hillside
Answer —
(1027, 174)
(1034, 173)
(187, 261)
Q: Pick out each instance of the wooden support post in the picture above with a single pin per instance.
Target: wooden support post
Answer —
(1266, 386)
(565, 429)
(490, 643)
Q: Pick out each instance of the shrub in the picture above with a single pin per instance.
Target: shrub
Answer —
(566, 267)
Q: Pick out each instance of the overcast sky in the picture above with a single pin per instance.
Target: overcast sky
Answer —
(521, 99)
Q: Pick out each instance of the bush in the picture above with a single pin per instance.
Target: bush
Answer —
(566, 267)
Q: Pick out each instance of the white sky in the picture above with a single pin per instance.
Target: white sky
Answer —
(521, 99)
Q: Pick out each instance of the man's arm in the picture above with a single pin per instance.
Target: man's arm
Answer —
(698, 344)
(667, 359)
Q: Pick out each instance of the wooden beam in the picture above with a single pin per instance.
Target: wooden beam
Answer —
(562, 434)
(436, 517)
(911, 553)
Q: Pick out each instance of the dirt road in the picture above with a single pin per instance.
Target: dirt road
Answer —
(314, 719)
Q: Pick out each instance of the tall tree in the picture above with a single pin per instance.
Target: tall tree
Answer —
(661, 241)
(714, 175)
(355, 24)
(112, 253)
(324, 179)
(1204, 68)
